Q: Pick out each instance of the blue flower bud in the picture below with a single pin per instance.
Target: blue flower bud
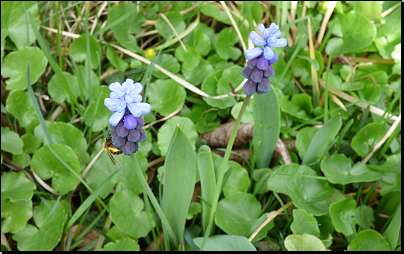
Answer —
(250, 87)
(133, 135)
(269, 72)
(143, 136)
(262, 64)
(257, 75)
(264, 86)
(118, 141)
(128, 148)
(140, 121)
(246, 72)
(252, 63)
(130, 122)
(121, 130)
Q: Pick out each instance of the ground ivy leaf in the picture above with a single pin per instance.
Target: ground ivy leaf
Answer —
(14, 66)
(115, 60)
(304, 223)
(31, 143)
(304, 242)
(198, 74)
(126, 28)
(238, 180)
(166, 132)
(225, 42)
(351, 39)
(13, 21)
(168, 62)
(16, 186)
(202, 42)
(343, 215)
(15, 215)
(58, 93)
(367, 138)
(65, 134)
(10, 141)
(166, 96)
(78, 50)
(47, 227)
(190, 59)
(176, 20)
(20, 106)
(46, 165)
(124, 244)
(370, 240)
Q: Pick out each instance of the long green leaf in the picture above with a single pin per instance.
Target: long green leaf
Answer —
(321, 140)
(179, 182)
(267, 125)
(208, 182)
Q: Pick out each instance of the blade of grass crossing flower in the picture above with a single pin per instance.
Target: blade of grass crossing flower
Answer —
(321, 140)
(208, 182)
(179, 183)
(266, 131)
(55, 66)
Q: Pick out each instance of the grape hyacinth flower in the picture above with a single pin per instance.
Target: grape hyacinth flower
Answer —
(259, 66)
(126, 123)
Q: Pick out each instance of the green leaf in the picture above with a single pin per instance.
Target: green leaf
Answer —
(393, 230)
(115, 60)
(190, 59)
(370, 93)
(338, 170)
(14, 66)
(365, 217)
(266, 131)
(126, 214)
(363, 142)
(225, 243)
(20, 106)
(15, 187)
(47, 166)
(291, 108)
(198, 74)
(303, 139)
(304, 242)
(132, 25)
(168, 62)
(238, 180)
(179, 179)
(10, 141)
(369, 240)
(14, 23)
(301, 66)
(264, 231)
(31, 143)
(207, 122)
(166, 96)
(248, 113)
(202, 42)
(304, 223)
(370, 9)
(351, 40)
(237, 212)
(78, 50)
(215, 12)
(146, 146)
(298, 183)
(208, 182)
(321, 140)
(15, 215)
(125, 244)
(225, 44)
(343, 215)
(90, 87)
(65, 134)
(47, 227)
(166, 132)
(391, 23)
(176, 20)
(102, 115)
(194, 209)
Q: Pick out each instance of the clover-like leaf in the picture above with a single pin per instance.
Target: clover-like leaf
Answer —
(166, 96)
(225, 44)
(78, 50)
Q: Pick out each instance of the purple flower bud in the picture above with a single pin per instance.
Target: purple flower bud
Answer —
(252, 63)
(118, 141)
(262, 64)
(250, 87)
(274, 59)
(121, 130)
(269, 72)
(246, 72)
(257, 75)
(113, 128)
(143, 136)
(140, 121)
(130, 122)
(133, 135)
(128, 148)
(264, 86)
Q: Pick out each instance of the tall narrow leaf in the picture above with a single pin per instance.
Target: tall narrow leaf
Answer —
(321, 140)
(267, 124)
(208, 182)
(179, 182)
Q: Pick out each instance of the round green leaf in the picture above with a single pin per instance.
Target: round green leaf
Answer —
(16, 186)
(215, 12)
(365, 217)
(165, 133)
(370, 93)
(47, 165)
(343, 215)
(31, 143)
(238, 180)
(304, 242)
(369, 240)
(125, 244)
(14, 66)
(168, 62)
(166, 96)
(15, 215)
(10, 141)
(190, 59)
(225, 243)
(225, 42)
(176, 20)
(65, 134)
(19, 105)
(363, 142)
(291, 108)
(198, 74)
(351, 39)
(338, 169)
(304, 223)
(248, 113)
(115, 60)
(201, 42)
(78, 50)
(303, 140)
(47, 227)
(127, 214)
(237, 213)
(371, 10)
(306, 193)
(56, 90)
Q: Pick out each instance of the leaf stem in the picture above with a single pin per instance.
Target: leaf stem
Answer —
(222, 167)
(153, 200)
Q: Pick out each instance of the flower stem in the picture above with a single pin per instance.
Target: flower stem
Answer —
(147, 190)
(222, 167)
